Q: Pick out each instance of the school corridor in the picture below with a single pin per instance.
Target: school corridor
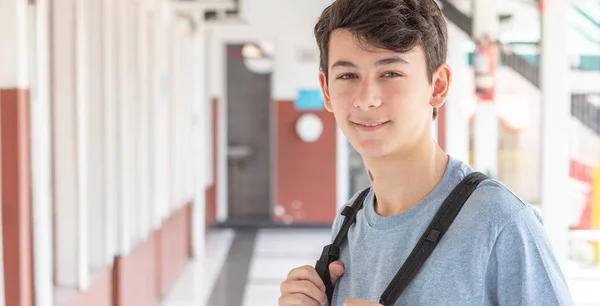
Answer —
(178, 153)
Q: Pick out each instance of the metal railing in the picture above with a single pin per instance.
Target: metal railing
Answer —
(457, 17)
(519, 64)
(586, 112)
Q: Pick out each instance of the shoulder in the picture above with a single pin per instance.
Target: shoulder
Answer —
(494, 204)
(507, 214)
(497, 200)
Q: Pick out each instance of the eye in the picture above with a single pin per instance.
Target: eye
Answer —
(347, 76)
(391, 75)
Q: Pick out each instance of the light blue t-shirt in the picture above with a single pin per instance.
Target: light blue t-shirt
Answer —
(495, 252)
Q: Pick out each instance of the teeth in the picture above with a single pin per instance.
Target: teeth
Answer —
(372, 124)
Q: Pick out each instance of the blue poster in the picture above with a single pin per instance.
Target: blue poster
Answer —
(309, 100)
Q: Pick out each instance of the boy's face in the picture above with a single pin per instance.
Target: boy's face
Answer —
(382, 100)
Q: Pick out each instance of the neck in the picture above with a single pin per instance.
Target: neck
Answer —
(402, 181)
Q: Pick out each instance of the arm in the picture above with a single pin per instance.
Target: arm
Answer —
(522, 269)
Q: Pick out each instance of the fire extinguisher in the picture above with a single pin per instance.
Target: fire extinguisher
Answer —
(486, 59)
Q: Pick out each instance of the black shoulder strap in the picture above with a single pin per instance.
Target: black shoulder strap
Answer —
(331, 252)
(440, 224)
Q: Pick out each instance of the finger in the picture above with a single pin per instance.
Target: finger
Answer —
(355, 302)
(304, 287)
(297, 299)
(336, 270)
(307, 273)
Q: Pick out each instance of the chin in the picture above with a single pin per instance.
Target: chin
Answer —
(372, 155)
(371, 149)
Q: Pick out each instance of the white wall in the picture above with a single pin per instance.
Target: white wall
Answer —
(585, 81)
(13, 44)
(288, 24)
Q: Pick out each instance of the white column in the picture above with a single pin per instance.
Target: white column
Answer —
(208, 84)
(175, 44)
(133, 120)
(485, 125)
(190, 80)
(41, 169)
(96, 140)
(82, 98)
(199, 117)
(111, 187)
(457, 124)
(143, 123)
(556, 113)
(123, 124)
(218, 88)
(159, 112)
(176, 104)
(154, 98)
(160, 109)
(485, 131)
(69, 169)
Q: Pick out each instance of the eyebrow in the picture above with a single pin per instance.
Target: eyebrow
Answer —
(381, 62)
(391, 60)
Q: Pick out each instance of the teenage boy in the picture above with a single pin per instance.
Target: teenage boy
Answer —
(383, 76)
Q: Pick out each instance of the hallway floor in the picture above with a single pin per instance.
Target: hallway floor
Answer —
(246, 269)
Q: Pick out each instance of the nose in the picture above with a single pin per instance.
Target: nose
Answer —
(368, 95)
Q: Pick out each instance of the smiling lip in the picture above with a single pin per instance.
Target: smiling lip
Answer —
(370, 126)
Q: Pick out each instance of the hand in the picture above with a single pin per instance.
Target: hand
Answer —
(355, 302)
(304, 287)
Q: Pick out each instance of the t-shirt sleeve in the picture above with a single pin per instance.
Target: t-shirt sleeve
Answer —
(523, 269)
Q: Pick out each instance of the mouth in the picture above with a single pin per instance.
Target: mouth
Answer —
(370, 126)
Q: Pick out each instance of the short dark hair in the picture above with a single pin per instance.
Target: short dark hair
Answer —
(396, 25)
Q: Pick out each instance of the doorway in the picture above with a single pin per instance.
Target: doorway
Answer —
(249, 70)
(359, 179)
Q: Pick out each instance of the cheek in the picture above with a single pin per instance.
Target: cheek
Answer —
(406, 104)
(341, 99)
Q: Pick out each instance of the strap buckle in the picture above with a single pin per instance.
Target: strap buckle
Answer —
(330, 253)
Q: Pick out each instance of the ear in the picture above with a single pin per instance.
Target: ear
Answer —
(441, 85)
(325, 91)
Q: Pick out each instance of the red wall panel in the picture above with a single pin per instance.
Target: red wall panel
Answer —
(306, 172)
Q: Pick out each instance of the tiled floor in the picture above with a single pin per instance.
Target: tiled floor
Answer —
(195, 285)
(250, 275)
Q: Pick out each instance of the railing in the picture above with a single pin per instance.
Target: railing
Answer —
(526, 69)
(586, 112)
(457, 17)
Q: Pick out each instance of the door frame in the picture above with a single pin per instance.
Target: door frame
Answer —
(220, 59)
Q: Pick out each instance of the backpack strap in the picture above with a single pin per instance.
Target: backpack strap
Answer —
(331, 252)
(430, 239)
